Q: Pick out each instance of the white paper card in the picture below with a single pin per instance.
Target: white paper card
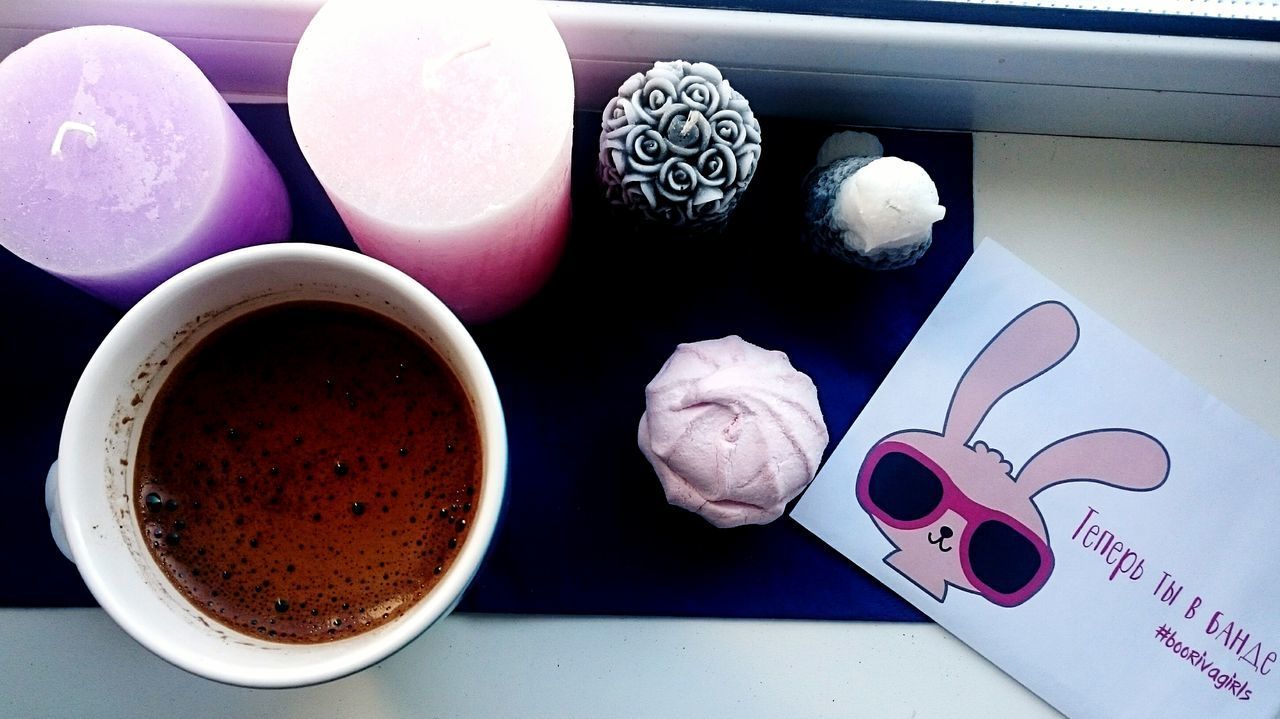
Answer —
(1067, 504)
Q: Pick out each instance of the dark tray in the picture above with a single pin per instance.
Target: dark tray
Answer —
(586, 529)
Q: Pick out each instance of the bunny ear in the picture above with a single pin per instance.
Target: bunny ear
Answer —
(1027, 347)
(1123, 458)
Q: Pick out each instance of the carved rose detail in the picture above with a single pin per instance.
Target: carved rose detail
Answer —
(678, 145)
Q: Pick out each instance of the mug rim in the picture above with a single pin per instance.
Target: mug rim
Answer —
(364, 649)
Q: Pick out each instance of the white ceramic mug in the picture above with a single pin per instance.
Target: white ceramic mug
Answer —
(89, 492)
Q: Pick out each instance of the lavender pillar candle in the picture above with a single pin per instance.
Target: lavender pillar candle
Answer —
(120, 165)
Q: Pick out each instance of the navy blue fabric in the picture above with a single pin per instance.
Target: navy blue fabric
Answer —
(586, 529)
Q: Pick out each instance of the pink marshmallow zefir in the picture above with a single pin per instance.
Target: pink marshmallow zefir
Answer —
(733, 430)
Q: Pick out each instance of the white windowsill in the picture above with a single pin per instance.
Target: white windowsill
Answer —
(855, 71)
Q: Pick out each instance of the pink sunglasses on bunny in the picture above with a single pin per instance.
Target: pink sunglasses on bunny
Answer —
(1002, 558)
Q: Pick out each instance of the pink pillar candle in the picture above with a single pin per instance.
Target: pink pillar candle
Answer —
(441, 132)
(120, 165)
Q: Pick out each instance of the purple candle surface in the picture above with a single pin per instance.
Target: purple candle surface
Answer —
(121, 165)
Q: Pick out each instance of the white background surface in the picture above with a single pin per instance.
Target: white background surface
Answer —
(1177, 243)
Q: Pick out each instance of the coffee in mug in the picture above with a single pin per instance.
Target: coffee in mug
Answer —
(220, 373)
(307, 472)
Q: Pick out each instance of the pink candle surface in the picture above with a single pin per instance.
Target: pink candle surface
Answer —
(441, 132)
(120, 165)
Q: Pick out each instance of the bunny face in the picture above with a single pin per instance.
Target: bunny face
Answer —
(955, 511)
(956, 516)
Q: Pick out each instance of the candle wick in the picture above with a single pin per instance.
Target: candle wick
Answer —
(692, 120)
(433, 65)
(56, 149)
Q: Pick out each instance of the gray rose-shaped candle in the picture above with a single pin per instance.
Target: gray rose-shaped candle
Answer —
(678, 145)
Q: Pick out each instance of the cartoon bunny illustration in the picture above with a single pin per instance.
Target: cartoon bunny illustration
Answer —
(953, 508)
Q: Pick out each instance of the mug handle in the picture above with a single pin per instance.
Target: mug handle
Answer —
(55, 514)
